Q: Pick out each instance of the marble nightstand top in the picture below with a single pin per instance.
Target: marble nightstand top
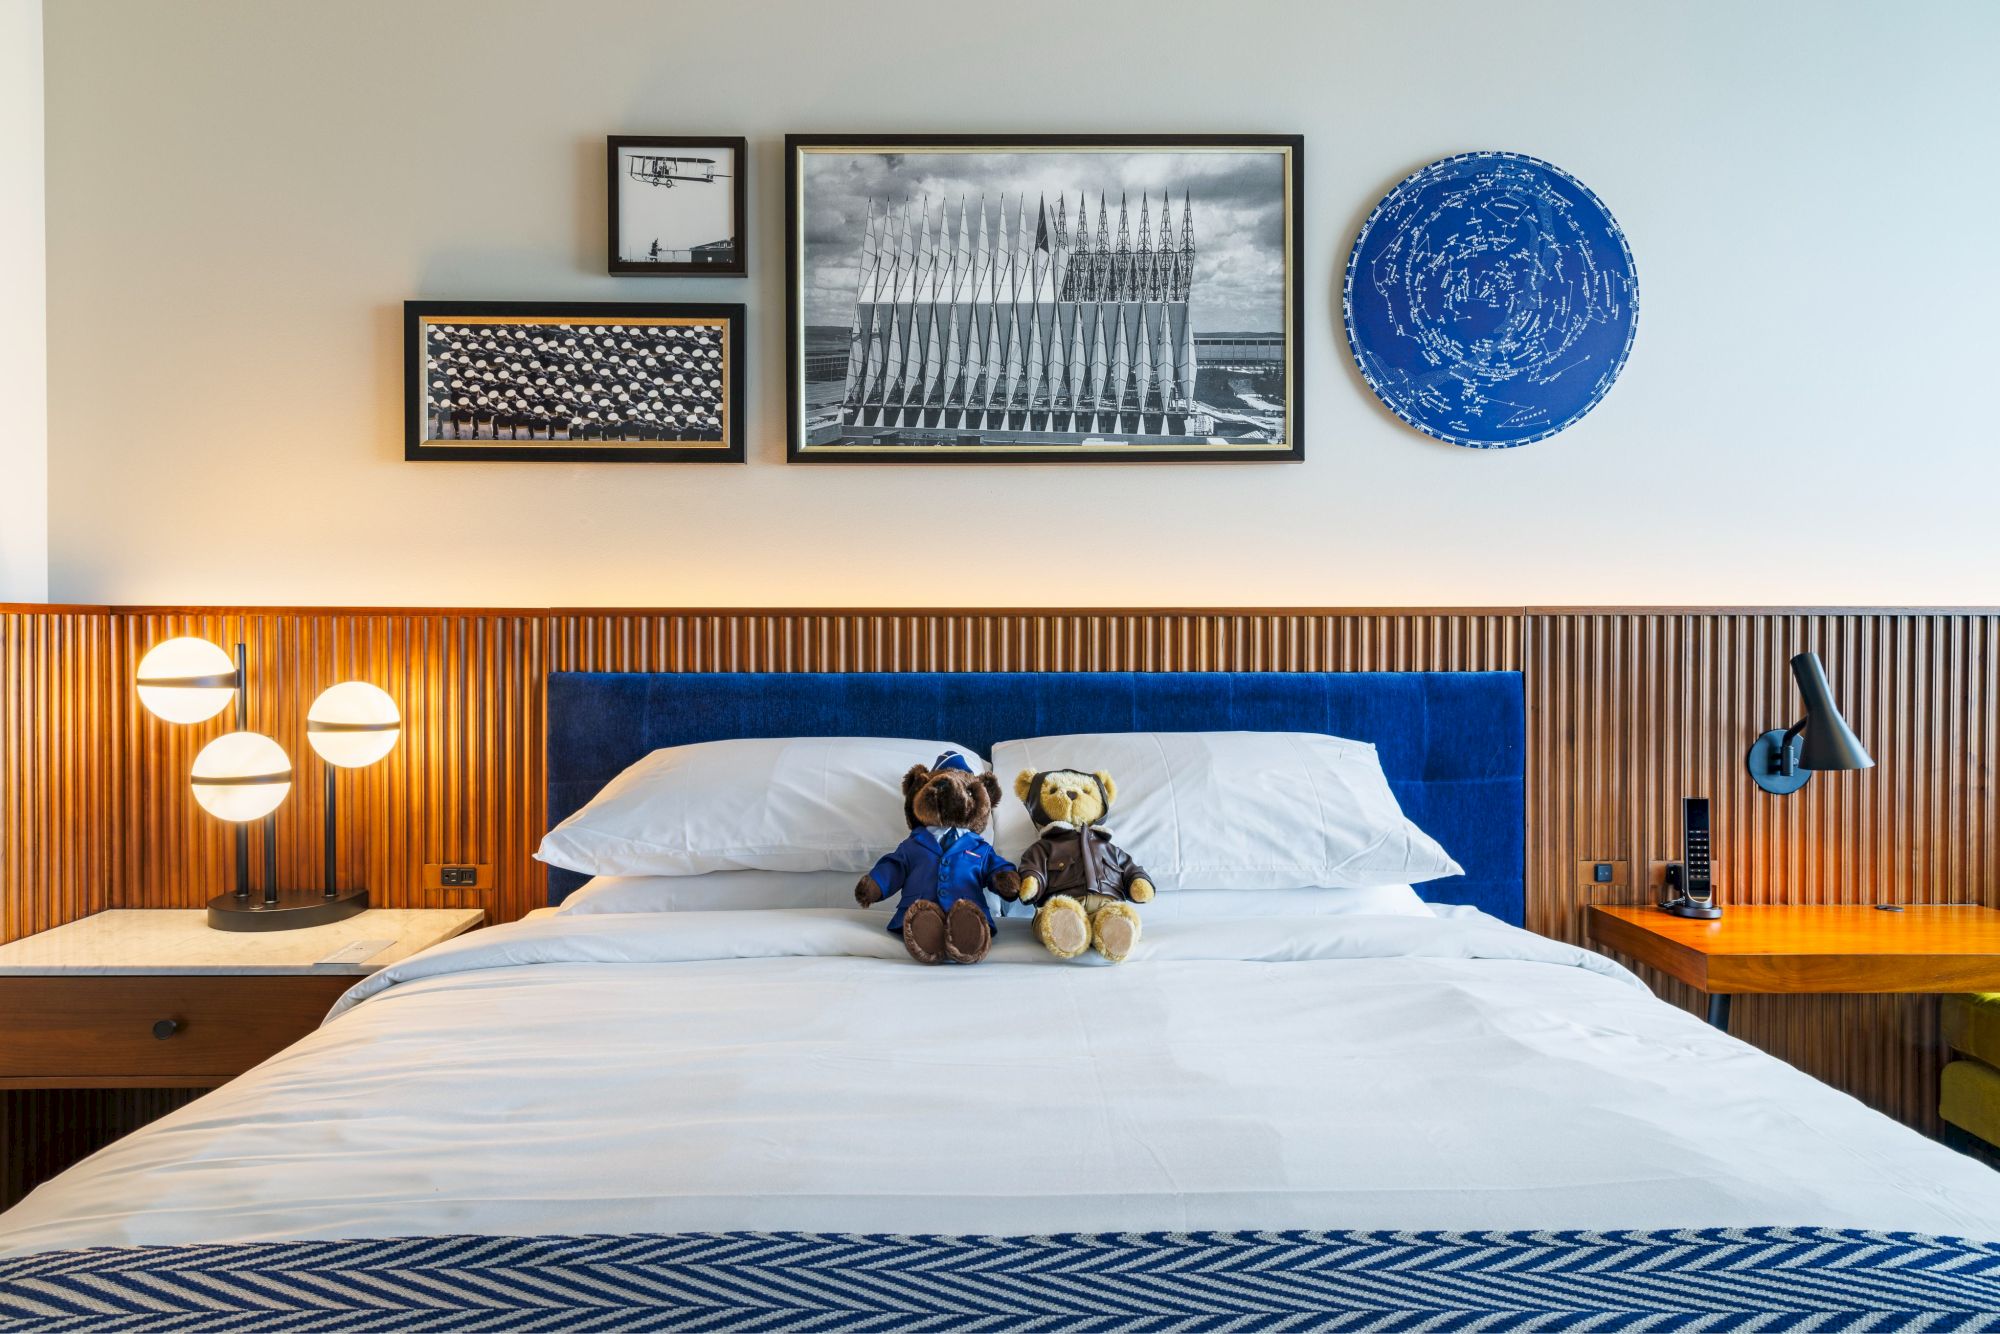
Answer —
(173, 940)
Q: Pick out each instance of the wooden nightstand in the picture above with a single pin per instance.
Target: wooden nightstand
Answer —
(152, 998)
(1809, 949)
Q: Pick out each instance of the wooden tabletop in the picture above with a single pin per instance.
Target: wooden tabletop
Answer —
(152, 941)
(1812, 948)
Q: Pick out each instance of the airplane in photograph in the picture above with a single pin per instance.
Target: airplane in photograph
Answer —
(658, 170)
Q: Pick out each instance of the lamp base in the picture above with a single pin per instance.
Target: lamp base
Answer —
(294, 909)
(1763, 753)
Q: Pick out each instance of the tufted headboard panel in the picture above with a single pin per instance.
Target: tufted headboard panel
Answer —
(1452, 743)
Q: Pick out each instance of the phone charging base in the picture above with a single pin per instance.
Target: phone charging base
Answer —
(1680, 903)
(1683, 908)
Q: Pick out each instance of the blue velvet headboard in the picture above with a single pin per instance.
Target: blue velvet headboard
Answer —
(1452, 743)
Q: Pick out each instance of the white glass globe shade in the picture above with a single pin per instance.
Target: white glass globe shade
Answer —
(353, 724)
(241, 776)
(180, 660)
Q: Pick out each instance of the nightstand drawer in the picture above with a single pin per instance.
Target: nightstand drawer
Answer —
(190, 1030)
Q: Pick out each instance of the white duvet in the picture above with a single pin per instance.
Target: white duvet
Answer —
(794, 1070)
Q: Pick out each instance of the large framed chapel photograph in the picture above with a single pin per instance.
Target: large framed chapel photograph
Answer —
(1043, 298)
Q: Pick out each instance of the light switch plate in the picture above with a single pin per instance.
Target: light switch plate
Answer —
(1621, 876)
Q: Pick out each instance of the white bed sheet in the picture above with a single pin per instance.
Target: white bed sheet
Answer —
(745, 1070)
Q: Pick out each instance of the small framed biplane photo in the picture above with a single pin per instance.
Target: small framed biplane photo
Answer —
(674, 206)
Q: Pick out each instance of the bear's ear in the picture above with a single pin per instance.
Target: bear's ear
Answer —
(1107, 787)
(914, 780)
(992, 786)
(1024, 785)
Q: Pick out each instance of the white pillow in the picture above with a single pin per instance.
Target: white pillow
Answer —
(778, 804)
(716, 891)
(1238, 810)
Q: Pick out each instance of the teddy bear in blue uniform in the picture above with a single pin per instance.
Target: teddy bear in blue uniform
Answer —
(944, 867)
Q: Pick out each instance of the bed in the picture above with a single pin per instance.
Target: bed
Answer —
(773, 1120)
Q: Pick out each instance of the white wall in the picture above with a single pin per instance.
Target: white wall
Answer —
(241, 194)
(24, 436)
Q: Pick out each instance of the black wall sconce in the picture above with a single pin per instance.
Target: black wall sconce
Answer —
(1780, 762)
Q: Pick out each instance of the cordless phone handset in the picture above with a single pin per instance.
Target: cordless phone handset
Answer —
(1694, 833)
(1691, 889)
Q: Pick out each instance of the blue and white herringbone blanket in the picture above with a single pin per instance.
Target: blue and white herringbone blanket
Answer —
(1763, 1279)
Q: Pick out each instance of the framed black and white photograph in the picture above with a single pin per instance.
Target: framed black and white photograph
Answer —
(675, 206)
(573, 382)
(1043, 298)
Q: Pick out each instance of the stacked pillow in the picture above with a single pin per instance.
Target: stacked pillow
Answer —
(782, 804)
(1239, 810)
(792, 822)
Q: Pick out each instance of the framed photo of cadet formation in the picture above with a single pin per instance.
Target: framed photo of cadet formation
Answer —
(573, 382)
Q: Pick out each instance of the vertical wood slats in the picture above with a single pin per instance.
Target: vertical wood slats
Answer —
(43, 1131)
(57, 697)
(1627, 712)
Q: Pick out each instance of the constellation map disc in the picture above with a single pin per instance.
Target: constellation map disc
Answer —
(1491, 300)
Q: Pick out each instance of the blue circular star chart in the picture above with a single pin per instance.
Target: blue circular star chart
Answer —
(1491, 300)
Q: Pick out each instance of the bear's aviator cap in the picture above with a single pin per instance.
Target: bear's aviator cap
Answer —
(1033, 798)
(951, 759)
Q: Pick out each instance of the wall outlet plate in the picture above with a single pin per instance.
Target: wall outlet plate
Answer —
(1588, 873)
(458, 875)
(1656, 878)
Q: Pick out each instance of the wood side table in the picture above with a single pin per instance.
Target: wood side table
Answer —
(152, 998)
(1809, 948)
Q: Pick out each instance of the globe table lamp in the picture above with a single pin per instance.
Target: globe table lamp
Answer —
(241, 776)
(188, 680)
(350, 726)
(244, 776)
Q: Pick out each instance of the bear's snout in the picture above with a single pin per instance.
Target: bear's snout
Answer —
(950, 801)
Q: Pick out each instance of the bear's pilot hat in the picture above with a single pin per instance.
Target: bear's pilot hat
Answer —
(1041, 817)
(951, 759)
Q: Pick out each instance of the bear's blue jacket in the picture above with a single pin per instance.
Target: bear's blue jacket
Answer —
(922, 871)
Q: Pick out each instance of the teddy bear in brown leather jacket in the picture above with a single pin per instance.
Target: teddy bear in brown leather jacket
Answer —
(1086, 883)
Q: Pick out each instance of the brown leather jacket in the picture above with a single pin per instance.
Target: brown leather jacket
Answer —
(1068, 860)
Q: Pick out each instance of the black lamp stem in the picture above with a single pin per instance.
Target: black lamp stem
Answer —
(242, 725)
(1782, 762)
(271, 860)
(332, 825)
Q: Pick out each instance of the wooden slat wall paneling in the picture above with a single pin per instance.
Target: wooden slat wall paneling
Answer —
(58, 826)
(1028, 641)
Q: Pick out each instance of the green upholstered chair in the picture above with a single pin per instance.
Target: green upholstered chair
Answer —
(1969, 1091)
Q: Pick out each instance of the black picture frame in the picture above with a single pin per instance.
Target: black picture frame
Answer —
(618, 178)
(424, 439)
(1289, 448)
